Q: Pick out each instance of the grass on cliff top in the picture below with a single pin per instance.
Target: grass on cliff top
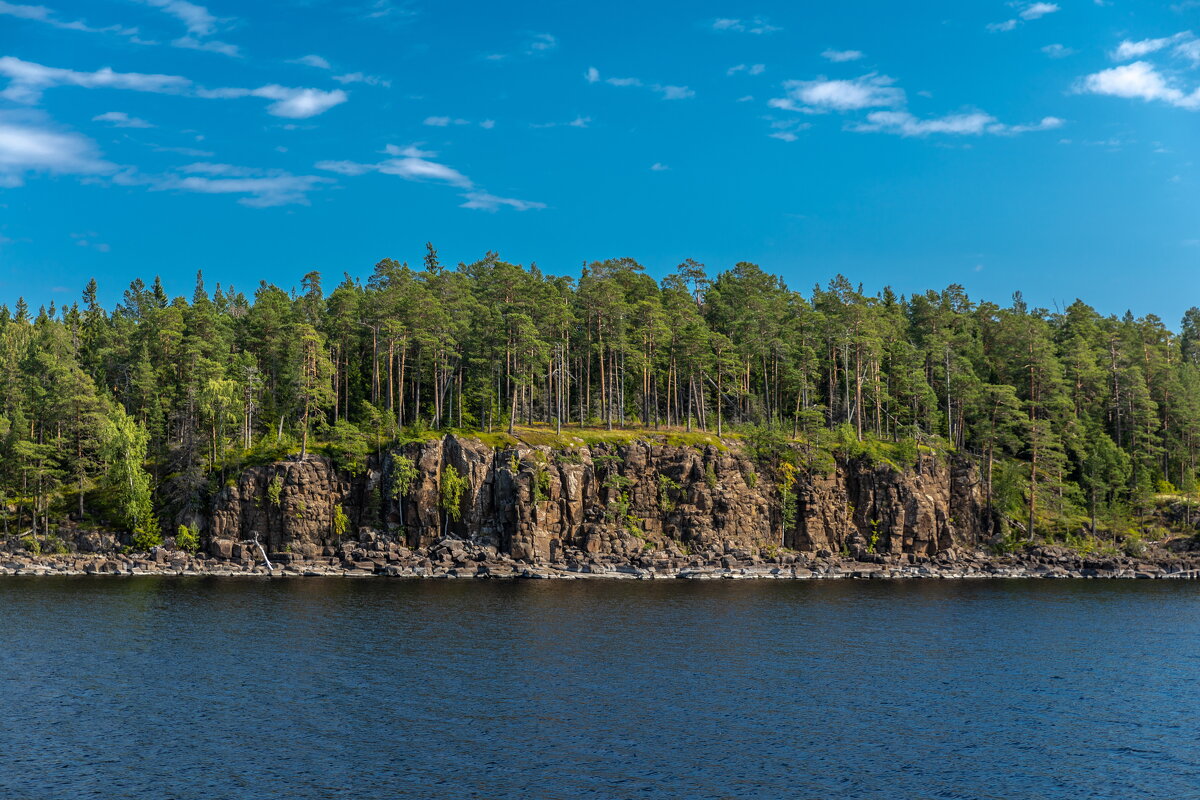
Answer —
(573, 437)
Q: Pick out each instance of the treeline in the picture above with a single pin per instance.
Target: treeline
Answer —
(1072, 415)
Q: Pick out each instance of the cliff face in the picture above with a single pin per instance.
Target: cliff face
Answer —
(621, 501)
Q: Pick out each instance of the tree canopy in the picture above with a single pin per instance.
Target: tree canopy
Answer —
(121, 414)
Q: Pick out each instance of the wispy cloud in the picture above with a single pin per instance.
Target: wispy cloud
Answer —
(1037, 10)
(30, 143)
(483, 201)
(755, 25)
(311, 61)
(1057, 51)
(668, 92)
(535, 44)
(822, 94)
(1139, 81)
(259, 188)
(1026, 12)
(119, 119)
(658, 167)
(28, 80)
(49, 17)
(749, 69)
(787, 130)
(880, 93)
(199, 23)
(839, 56)
(976, 123)
(88, 240)
(412, 163)
(289, 102)
(359, 77)
(1183, 45)
(578, 122)
(445, 122)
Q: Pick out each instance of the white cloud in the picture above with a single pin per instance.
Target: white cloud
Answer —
(668, 92)
(657, 167)
(674, 92)
(838, 56)
(444, 122)
(199, 22)
(1037, 10)
(1057, 51)
(975, 123)
(868, 91)
(48, 17)
(1027, 12)
(540, 43)
(27, 81)
(412, 163)
(207, 45)
(311, 61)
(787, 129)
(195, 18)
(756, 25)
(1189, 50)
(749, 69)
(1130, 49)
(119, 119)
(578, 122)
(29, 143)
(483, 201)
(260, 188)
(291, 103)
(536, 44)
(1138, 80)
(359, 77)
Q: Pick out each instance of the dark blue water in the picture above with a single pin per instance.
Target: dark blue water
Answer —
(228, 688)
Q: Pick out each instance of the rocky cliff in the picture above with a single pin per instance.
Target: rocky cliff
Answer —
(611, 501)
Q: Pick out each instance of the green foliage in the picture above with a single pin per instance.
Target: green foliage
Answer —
(188, 539)
(1078, 420)
(453, 485)
(751, 478)
(541, 484)
(346, 447)
(31, 544)
(340, 521)
(147, 536)
(787, 495)
(124, 448)
(404, 476)
(275, 490)
(666, 489)
(710, 475)
(767, 445)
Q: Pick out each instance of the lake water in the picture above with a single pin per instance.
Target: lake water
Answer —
(311, 688)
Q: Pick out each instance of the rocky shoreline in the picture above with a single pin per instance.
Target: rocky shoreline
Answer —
(456, 559)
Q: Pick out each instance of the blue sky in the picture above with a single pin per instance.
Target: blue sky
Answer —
(1046, 147)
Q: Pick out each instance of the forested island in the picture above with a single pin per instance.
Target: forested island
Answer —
(495, 411)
